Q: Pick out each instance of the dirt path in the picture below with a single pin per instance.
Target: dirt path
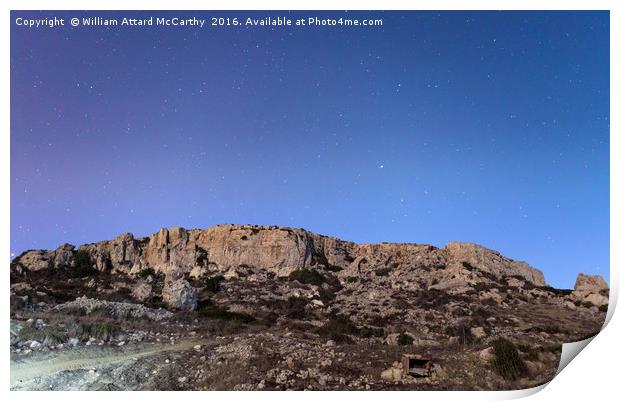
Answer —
(35, 367)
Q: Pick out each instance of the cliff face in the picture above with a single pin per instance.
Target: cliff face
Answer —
(230, 249)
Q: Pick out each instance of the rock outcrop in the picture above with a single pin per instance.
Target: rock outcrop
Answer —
(224, 249)
(180, 295)
(590, 284)
(591, 289)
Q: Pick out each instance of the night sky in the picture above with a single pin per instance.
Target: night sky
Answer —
(483, 127)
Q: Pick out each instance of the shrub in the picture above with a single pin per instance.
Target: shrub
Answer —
(603, 308)
(555, 291)
(383, 272)
(369, 331)
(202, 256)
(529, 353)
(305, 276)
(506, 360)
(212, 283)
(463, 332)
(295, 307)
(333, 268)
(244, 237)
(144, 273)
(404, 339)
(468, 266)
(326, 294)
(100, 331)
(339, 328)
(215, 312)
(47, 336)
(82, 264)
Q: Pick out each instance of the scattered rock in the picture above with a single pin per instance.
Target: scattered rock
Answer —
(478, 332)
(179, 295)
(142, 292)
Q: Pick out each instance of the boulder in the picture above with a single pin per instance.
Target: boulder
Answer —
(142, 292)
(591, 289)
(180, 295)
(478, 332)
(486, 354)
(392, 374)
(596, 299)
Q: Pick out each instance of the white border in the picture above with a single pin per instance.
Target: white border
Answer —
(592, 375)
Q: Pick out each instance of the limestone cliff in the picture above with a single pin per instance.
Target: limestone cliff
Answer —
(227, 249)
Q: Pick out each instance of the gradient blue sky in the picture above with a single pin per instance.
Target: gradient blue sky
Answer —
(485, 127)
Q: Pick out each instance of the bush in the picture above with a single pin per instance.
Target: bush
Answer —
(82, 264)
(404, 339)
(468, 266)
(100, 331)
(47, 336)
(215, 312)
(305, 276)
(333, 268)
(369, 331)
(144, 273)
(463, 332)
(506, 360)
(603, 308)
(295, 307)
(339, 328)
(212, 283)
(201, 256)
(556, 291)
(529, 353)
(385, 271)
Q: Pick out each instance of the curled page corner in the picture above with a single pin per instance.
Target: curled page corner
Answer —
(570, 351)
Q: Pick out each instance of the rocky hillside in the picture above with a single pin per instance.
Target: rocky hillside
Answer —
(229, 249)
(264, 307)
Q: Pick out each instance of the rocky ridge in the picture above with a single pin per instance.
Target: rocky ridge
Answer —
(228, 249)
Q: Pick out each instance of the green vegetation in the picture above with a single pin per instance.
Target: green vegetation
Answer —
(333, 268)
(462, 332)
(506, 360)
(338, 328)
(82, 264)
(404, 339)
(215, 312)
(295, 307)
(369, 331)
(47, 336)
(305, 276)
(556, 291)
(202, 256)
(529, 353)
(212, 283)
(468, 266)
(100, 331)
(144, 273)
